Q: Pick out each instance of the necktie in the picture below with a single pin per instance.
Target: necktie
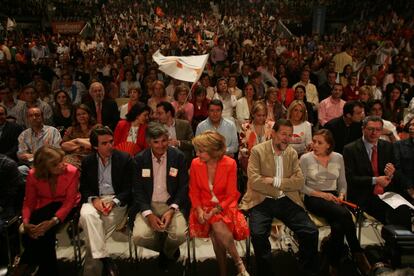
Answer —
(374, 163)
(99, 113)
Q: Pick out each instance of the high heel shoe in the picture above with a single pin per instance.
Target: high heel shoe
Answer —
(244, 272)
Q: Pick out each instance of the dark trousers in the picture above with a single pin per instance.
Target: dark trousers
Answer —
(294, 217)
(342, 225)
(380, 210)
(41, 251)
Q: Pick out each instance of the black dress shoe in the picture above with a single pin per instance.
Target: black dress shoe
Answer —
(110, 267)
(176, 255)
(163, 261)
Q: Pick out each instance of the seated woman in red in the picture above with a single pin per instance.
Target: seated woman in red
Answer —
(129, 135)
(213, 194)
(51, 194)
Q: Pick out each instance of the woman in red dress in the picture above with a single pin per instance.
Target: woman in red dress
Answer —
(129, 135)
(213, 194)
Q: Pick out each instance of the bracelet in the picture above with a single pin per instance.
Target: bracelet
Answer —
(56, 220)
(218, 207)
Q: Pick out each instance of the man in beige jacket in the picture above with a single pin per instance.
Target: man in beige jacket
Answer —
(275, 180)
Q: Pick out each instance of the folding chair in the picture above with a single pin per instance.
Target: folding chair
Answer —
(8, 234)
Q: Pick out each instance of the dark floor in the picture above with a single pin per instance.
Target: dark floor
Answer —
(284, 265)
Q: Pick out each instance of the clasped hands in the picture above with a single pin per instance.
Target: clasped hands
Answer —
(38, 230)
(160, 224)
(105, 207)
(203, 216)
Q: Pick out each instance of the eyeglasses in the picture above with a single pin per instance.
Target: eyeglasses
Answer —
(372, 129)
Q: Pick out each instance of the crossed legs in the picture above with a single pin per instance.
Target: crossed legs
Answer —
(223, 242)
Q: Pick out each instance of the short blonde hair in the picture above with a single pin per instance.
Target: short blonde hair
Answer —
(293, 105)
(44, 159)
(269, 91)
(258, 106)
(211, 142)
(367, 89)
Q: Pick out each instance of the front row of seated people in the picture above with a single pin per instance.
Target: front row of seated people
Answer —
(157, 190)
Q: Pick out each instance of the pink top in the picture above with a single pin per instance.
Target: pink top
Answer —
(330, 109)
(38, 193)
(184, 112)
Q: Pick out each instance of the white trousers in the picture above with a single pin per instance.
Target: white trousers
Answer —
(98, 228)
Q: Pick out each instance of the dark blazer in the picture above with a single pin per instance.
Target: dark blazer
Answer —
(185, 134)
(343, 134)
(177, 186)
(8, 139)
(404, 162)
(11, 187)
(358, 169)
(110, 112)
(124, 176)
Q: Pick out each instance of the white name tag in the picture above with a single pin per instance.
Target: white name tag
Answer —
(146, 173)
(173, 172)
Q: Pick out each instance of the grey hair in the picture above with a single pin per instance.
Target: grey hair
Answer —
(372, 119)
(155, 130)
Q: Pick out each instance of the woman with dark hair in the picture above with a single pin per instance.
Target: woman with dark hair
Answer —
(62, 110)
(300, 94)
(129, 81)
(346, 73)
(214, 196)
(129, 134)
(245, 104)
(325, 187)
(285, 94)
(76, 142)
(393, 108)
(51, 194)
(133, 93)
(200, 103)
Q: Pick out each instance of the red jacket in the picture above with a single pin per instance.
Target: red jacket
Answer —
(121, 134)
(38, 193)
(224, 186)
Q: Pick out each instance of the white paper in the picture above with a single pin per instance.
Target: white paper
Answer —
(395, 200)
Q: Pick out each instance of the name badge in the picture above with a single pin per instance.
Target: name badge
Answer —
(173, 172)
(146, 173)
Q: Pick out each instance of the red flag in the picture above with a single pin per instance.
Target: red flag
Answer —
(159, 12)
(199, 39)
(173, 35)
(179, 22)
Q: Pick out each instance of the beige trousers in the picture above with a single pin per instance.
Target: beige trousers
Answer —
(169, 240)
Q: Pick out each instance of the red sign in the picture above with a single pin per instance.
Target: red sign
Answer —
(70, 27)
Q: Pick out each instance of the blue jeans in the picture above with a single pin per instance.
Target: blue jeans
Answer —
(294, 217)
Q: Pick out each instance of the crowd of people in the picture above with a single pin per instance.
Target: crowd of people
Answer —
(308, 121)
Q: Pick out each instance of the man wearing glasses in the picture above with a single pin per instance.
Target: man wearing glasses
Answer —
(370, 171)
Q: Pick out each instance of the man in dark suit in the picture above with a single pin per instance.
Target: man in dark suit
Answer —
(180, 132)
(11, 189)
(404, 162)
(105, 185)
(324, 90)
(370, 171)
(103, 109)
(347, 128)
(244, 77)
(9, 132)
(160, 197)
